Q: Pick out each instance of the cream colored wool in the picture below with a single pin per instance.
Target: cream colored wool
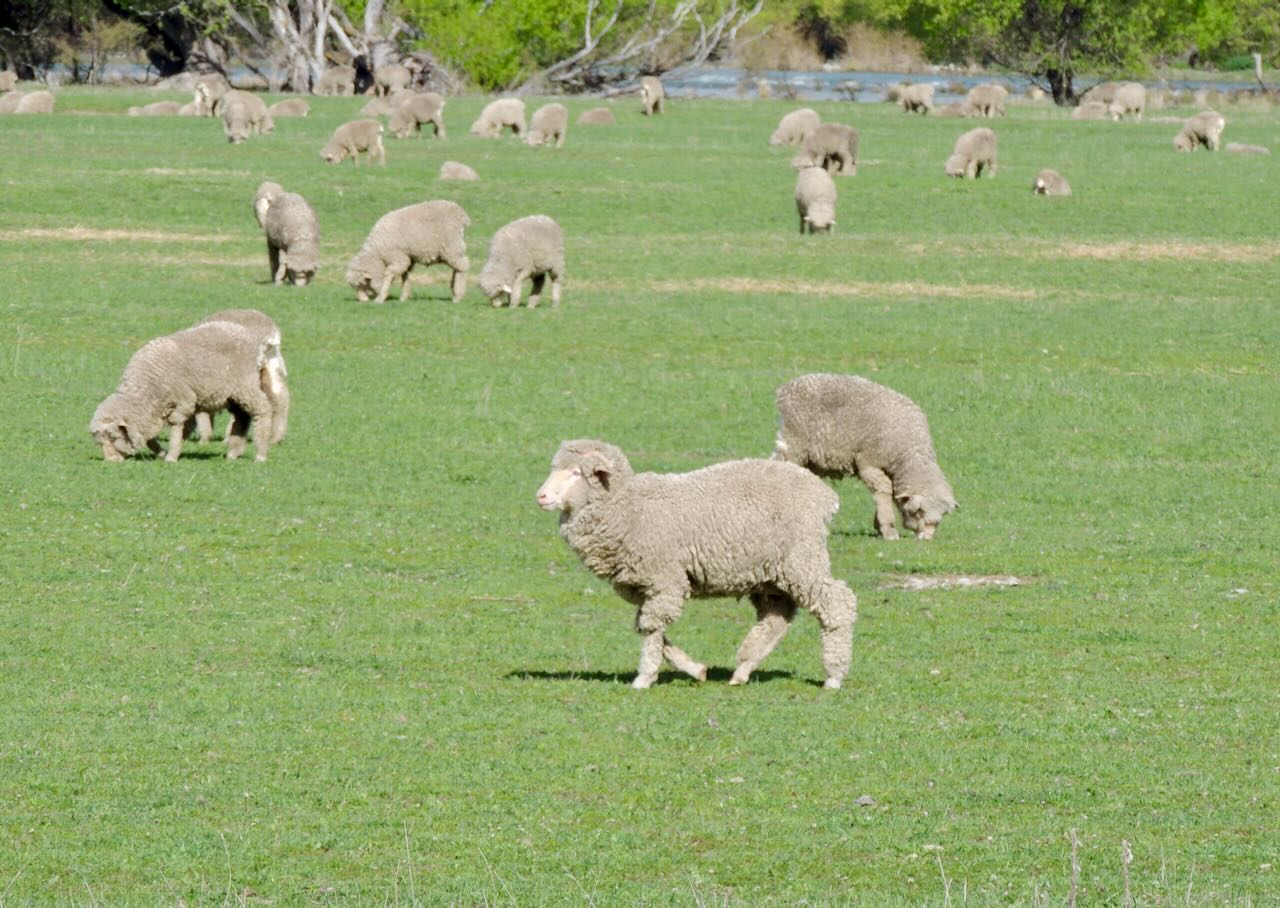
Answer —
(974, 151)
(409, 115)
(987, 100)
(274, 372)
(293, 239)
(653, 96)
(795, 127)
(353, 137)
(1205, 128)
(549, 125)
(917, 98)
(529, 248)
(833, 146)
(816, 200)
(421, 234)
(1050, 182)
(504, 113)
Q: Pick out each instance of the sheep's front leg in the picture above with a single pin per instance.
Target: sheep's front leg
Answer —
(405, 283)
(881, 487)
(176, 431)
(555, 290)
(397, 266)
(517, 289)
(458, 285)
(773, 617)
(653, 617)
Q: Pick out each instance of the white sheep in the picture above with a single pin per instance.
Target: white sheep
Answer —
(1050, 182)
(1205, 128)
(987, 100)
(504, 113)
(1128, 98)
(549, 125)
(531, 247)
(833, 146)
(795, 127)
(351, 138)
(974, 151)
(916, 98)
(816, 200)
(264, 329)
(293, 239)
(453, 170)
(409, 114)
(290, 107)
(597, 116)
(336, 80)
(845, 425)
(755, 528)
(421, 234)
(653, 96)
(207, 368)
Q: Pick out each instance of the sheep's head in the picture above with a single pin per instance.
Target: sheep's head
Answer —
(921, 514)
(535, 137)
(580, 471)
(1183, 142)
(493, 286)
(363, 275)
(333, 153)
(956, 165)
(113, 434)
(821, 216)
(300, 267)
(804, 159)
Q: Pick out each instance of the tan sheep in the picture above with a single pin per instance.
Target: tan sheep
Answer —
(597, 116)
(1129, 98)
(916, 98)
(974, 151)
(267, 190)
(9, 101)
(8, 80)
(987, 100)
(290, 107)
(1093, 110)
(504, 113)
(1205, 128)
(336, 80)
(421, 234)
(36, 102)
(391, 77)
(954, 109)
(549, 125)
(653, 96)
(795, 127)
(293, 239)
(251, 116)
(816, 200)
(452, 170)
(1050, 182)
(208, 94)
(530, 247)
(411, 113)
(156, 109)
(833, 146)
(274, 373)
(352, 138)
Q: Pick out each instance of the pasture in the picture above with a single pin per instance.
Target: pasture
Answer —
(369, 671)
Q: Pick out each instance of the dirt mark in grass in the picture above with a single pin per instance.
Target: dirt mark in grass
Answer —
(95, 234)
(821, 288)
(950, 581)
(1130, 252)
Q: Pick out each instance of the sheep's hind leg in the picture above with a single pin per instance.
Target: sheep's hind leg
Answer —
(774, 612)
(682, 661)
(653, 617)
(837, 612)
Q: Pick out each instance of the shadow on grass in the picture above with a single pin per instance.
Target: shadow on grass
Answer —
(714, 675)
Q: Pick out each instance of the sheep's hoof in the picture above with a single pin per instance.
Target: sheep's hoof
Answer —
(889, 534)
(739, 678)
(700, 674)
(644, 682)
(832, 684)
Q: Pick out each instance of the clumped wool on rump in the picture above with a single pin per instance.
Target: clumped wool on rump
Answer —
(421, 234)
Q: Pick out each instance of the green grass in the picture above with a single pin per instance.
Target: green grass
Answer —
(370, 672)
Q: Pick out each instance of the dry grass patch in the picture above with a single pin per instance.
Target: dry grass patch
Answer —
(822, 288)
(99, 235)
(949, 581)
(1129, 252)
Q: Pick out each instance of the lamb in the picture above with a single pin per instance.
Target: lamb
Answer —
(293, 239)
(8, 80)
(973, 151)
(795, 127)
(408, 116)
(833, 146)
(156, 109)
(1205, 128)
(452, 170)
(1128, 98)
(597, 116)
(1241, 148)
(988, 99)
(353, 137)
(210, 367)
(337, 80)
(531, 247)
(1093, 110)
(391, 77)
(653, 96)
(816, 200)
(550, 123)
(842, 425)
(916, 98)
(290, 107)
(504, 113)
(425, 234)
(267, 190)
(755, 528)
(273, 375)
(1050, 182)
(36, 102)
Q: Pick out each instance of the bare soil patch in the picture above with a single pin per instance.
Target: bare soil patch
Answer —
(950, 581)
(94, 234)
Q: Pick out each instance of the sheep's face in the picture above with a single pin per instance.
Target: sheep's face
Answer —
(922, 515)
(821, 217)
(332, 154)
(955, 166)
(494, 287)
(565, 490)
(362, 281)
(113, 435)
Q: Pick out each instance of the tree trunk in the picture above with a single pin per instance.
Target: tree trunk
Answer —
(1060, 83)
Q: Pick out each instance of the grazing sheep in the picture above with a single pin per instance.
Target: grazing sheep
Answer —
(597, 116)
(189, 110)
(916, 98)
(337, 80)
(1102, 93)
(550, 123)
(452, 170)
(1129, 98)
(237, 121)
(156, 109)
(653, 96)
(987, 100)
(353, 137)
(290, 107)
(273, 375)
(207, 368)
(262, 198)
(845, 425)
(421, 234)
(293, 239)
(408, 116)
(1240, 148)
(255, 109)
(1050, 182)
(833, 146)
(531, 247)
(1093, 110)
(973, 151)
(36, 102)
(816, 200)
(10, 100)
(504, 113)
(795, 127)
(391, 77)
(8, 80)
(208, 94)
(1205, 128)
(954, 109)
(755, 528)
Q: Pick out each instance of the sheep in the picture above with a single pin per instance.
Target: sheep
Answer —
(795, 127)
(452, 170)
(156, 109)
(8, 80)
(391, 77)
(1093, 110)
(190, 109)
(504, 113)
(755, 528)
(653, 96)
(973, 151)
(252, 115)
(210, 367)
(337, 80)
(293, 239)
(273, 374)
(1050, 182)
(425, 234)
(1205, 128)
(954, 109)
(9, 101)
(1129, 98)
(266, 192)
(290, 107)
(530, 247)
(237, 121)
(597, 116)
(1102, 93)
(833, 146)
(816, 200)
(988, 99)
(408, 116)
(842, 425)
(550, 123)
(36, 102)
(208, 94)
(1240, 148)
(353, 137)
(916, 98)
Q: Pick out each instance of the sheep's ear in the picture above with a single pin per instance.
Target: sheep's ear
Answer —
(911, 504)
(596, 470)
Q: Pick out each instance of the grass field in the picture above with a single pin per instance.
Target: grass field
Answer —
(369, 671)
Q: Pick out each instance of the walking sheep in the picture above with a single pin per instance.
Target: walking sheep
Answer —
(1050, 182)
(293, 239)
(597, 116)
(845, 425)
(531, 247)
(1205, 128)
(833, 146)
(452, 170)
(263, 329)
(349, 139)
(916, 98)
(504, 113)
(550, 123)
(653, 96)
(816, 200)
(754, 528)
(290, 107)
(211, 367)
(795, 127)
(973, 151)
(421, 234)
(410, 114)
